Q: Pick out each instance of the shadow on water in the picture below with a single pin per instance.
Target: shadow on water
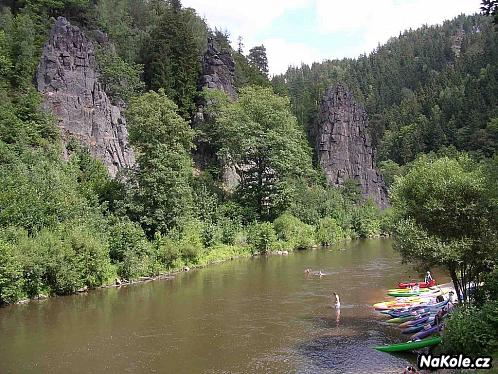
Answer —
(344, 345)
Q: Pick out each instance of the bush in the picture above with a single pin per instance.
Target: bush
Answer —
(167, 250)
(190, 241)
(329, 231)
(11, 274)
(472, 331)
(387, 221)
(262, 237)
(489, 291)
(130, 250)
(293, 232)
(121, 79)
(229, 230)
(365, 222)
(92, 253)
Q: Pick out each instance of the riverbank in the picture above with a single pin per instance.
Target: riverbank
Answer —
(216, 255)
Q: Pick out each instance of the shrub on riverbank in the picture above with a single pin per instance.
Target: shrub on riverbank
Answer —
(365, 220)
(472, 330)
(262, 237)
(329, 231)
(293, 233)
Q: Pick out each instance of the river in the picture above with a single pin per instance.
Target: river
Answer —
(256, 315)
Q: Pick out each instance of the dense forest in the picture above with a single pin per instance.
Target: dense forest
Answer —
(425, 90)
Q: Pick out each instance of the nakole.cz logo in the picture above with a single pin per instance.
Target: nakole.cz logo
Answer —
(453, 362)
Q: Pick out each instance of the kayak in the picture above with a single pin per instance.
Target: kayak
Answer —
(414, 322)
(401, 319)
(412, 329)
(409, 306)
(404, 312)
(407, 290)
(383, 306)
(400, 300)
(409, 346)
(426, 292)
(420, 284)
(412, 316)
(425, 333)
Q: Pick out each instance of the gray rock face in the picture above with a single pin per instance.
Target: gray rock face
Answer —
(68, 78)
(218, 70)
(343, 146)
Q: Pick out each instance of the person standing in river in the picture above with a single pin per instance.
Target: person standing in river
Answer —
(337, 301)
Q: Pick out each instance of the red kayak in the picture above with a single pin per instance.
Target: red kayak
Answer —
(432, 283)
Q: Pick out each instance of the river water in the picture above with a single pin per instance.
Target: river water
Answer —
(257, 315)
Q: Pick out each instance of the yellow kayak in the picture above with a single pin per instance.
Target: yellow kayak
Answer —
(405, 301)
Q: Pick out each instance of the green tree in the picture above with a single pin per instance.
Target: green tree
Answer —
(260, 137)
(171, 57)
(161, 192)
(446, 218)
(121, 79)
(257, 57)
(490, 8)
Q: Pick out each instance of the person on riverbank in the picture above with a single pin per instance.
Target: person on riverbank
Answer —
(428, 277)
(337, 301)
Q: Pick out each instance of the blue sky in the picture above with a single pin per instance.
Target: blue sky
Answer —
(296, 31)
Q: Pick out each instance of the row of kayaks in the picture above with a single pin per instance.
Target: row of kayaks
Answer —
(414, 311)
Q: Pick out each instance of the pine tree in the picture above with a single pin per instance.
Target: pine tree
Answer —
(257, 57)
(240, 48)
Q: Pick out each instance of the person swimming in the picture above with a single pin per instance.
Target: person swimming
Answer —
(337, 301)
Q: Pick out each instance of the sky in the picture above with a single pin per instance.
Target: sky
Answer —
(297, 31)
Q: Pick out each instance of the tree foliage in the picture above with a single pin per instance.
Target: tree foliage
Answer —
(160, 190)
(446, 218)
(260, 137)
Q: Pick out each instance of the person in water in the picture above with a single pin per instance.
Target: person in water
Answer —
(428, 277)
(337, 301)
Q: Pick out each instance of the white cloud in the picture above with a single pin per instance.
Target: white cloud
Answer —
(281, 54)
(243, 17)
(377, 21)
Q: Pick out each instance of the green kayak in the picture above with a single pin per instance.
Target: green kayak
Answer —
(409, 346)
(408, 294)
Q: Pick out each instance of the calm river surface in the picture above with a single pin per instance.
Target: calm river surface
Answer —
(257, 315)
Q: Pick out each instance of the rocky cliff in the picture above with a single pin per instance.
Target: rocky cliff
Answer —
(68, 78)
(343, 146)
(218, 72)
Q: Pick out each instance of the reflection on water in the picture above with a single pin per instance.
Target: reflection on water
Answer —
(258, 315)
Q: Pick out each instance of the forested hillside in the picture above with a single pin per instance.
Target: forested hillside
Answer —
(423, 90)
(66, 225)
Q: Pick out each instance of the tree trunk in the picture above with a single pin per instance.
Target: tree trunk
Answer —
(454, 278)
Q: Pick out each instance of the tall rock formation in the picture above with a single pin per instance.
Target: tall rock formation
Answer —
(68, 78)
(218, 70)
(343, 146)
(218, 73)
